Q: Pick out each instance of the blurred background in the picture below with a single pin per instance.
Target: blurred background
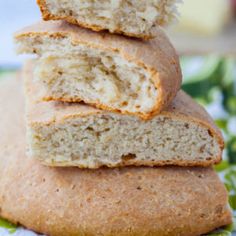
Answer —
(204, 26)
(14, 15)
(205, 38)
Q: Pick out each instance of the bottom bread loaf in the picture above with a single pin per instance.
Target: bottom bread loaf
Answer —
(127, 201)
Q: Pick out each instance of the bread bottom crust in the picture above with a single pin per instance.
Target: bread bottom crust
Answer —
(139, 163)
(168, 201)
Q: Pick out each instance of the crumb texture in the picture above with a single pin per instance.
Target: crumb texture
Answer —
(132, 17)
(75, 73)
(114, 140)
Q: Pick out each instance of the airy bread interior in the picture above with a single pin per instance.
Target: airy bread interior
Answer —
(79, 72)
(133, 17)
(112, 139)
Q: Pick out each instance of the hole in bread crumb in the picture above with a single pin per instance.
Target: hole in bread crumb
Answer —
(202, 148)
(128, 157)
(90, 128)
(139, 188)
(107, 129)
(200, 176)
(186, 126)
(70, 12)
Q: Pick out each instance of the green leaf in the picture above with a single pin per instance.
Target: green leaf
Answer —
(231, 146)
(230, 104)
(224, 165)
(7, 225)
(228, 67)
(221, 123)
(209, 65)
(220, 233)
(232, 200)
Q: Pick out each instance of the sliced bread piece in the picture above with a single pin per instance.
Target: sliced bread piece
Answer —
(109, 71)
(168, 201)
(136, 18)
(63, 134)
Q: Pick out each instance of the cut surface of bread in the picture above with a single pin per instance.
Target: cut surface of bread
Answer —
(168, 201)
(108, 71)
(130, 17)
(63, 134)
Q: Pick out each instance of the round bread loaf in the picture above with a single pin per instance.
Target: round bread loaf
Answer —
(170, 201)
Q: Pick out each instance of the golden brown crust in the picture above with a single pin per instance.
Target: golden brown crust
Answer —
(157, 56)
(47, 16)
(108, 202)
(182, 108)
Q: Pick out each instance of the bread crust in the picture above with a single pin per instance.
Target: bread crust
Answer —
(157, 56)
(183, 108)
(47, 16)
(137, 201)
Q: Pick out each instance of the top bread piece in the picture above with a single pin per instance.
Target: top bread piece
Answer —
(119, 202)
(137, 18)
(111, 72)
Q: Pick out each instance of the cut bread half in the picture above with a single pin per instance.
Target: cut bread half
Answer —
(131, 201)
(130, 17)
(63, 134)
(108, 71)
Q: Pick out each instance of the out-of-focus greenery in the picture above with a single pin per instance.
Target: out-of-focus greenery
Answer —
(211, 74)
(215, 82)
(227, 231)
(6, 73)
(212, 82)
(7, 225)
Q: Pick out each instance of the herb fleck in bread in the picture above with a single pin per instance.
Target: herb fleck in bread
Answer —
(168, 201)
(62, 134)
(108, 71)
(136, 18)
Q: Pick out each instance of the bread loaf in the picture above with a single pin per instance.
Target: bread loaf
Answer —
(168, 201)
(108, 71)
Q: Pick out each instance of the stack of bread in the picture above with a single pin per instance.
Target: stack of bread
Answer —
(114, 147)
